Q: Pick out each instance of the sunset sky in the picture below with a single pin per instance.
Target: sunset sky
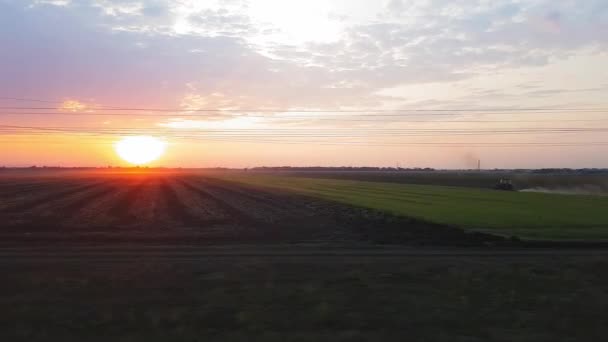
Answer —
(241, 83)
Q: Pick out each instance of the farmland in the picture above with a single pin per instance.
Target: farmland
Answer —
(207, 207)
(589, 181)
(195, 208)
(161, 255)
(526, 215)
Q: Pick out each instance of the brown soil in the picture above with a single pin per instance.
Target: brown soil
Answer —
(175, 207)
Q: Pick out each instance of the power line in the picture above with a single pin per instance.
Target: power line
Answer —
(291, 139)
(374, 144)
(289, 134)
(304, 110)
(359, 142)
(301, 129)
(366, 136)
(278, 110)
(341, 118)
(28, 100)
(38, 100)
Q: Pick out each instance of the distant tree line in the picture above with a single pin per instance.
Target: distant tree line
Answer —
(336, 168)
(570, 171)
(547, 171)
(565, 171)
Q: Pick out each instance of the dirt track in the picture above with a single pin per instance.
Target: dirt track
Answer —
(186, 208)
(78, 254)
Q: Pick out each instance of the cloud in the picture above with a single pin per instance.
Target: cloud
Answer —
(395, 6)
(133, 52)
(58, 53)
(73, 106)
(221, 22)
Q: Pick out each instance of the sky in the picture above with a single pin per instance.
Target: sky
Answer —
(242, 83)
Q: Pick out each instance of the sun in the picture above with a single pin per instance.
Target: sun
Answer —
(139, 150)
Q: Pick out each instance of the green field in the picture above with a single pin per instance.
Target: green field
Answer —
(526, 215)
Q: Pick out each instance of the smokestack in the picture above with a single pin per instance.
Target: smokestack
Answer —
(479, 165)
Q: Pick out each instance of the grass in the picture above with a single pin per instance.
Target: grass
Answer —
(592, 183)
(527, 215)
(422, 299)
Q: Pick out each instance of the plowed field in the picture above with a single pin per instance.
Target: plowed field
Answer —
(185, 207)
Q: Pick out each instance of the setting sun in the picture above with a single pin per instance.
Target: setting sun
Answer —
(139, 150)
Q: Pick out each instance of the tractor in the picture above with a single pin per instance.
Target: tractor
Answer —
(504, 184)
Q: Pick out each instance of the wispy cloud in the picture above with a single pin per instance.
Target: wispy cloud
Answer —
(317, 54)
